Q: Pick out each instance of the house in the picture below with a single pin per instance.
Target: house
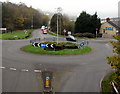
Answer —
(110, 27)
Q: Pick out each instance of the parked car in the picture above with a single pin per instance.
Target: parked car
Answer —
(71, 38)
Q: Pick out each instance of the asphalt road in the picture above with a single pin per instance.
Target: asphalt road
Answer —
(78, 73)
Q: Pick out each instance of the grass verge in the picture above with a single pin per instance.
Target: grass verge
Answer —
(54, 34)
(16, 35)
(39, 50)
(105, 85)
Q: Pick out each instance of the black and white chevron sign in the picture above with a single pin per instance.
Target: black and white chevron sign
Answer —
(43, 45)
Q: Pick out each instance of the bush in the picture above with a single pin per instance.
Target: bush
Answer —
(88, 35)
(11, 38)
(71, 47)
(61, 46)
(78, 34)
(99, 35)
(50, 42)
(26, 37)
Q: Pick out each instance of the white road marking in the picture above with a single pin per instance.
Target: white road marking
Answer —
(25, 70)
(2, 67)
(14, 69)
(37, 70)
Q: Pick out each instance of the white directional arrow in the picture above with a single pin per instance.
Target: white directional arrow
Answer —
(25, 70)
(46, 45)
(52, 45)
(38, 44)
(14, 69)
(2, 67)
(37, 70)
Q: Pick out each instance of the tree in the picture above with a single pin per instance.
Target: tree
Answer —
(87, 23)
(82, 23)
(95, 23)
(53, 24)
(114, 60)
(64, 23)
(19, 21)
(19, 16)
(45, 20)
(68, 24)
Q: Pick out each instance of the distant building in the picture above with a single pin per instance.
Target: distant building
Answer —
(119, 13)
(110, 27)
(119, 9)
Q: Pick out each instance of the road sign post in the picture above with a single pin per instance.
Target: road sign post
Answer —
(96, 32)
(64, 32)
(43, 45)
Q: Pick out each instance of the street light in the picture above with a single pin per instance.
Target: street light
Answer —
(59, 9)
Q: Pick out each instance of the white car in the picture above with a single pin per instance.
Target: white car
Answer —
(71, 38)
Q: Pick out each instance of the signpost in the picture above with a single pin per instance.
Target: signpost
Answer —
(25, 31)
(96, 32)
(35, 44)
(109, 28)
(83, 43)
(64, 32)
(3, 29)
(43, 45)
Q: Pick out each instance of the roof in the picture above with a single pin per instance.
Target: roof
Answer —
(113, 24)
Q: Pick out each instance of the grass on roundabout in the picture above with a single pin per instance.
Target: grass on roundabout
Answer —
(39, 50)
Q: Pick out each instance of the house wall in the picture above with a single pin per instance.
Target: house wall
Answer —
(106, 28)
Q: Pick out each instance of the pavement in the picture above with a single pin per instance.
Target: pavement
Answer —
(73, 73)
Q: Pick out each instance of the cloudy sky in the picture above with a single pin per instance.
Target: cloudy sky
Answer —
(104, 8)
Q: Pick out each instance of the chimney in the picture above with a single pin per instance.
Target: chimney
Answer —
(108, 19)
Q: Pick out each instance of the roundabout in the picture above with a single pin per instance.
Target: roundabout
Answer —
(64, 48)
(72, 73)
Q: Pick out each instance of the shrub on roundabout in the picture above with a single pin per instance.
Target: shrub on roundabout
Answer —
(61, 46)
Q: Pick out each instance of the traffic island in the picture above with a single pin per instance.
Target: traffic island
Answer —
(39, 50)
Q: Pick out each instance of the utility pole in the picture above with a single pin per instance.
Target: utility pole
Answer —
(32, 22)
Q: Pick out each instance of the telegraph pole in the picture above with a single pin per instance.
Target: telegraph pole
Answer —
(32, 22)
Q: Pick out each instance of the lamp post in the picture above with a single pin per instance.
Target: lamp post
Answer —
(59, 9)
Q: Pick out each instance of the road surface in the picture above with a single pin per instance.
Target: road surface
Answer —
(73, 73)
